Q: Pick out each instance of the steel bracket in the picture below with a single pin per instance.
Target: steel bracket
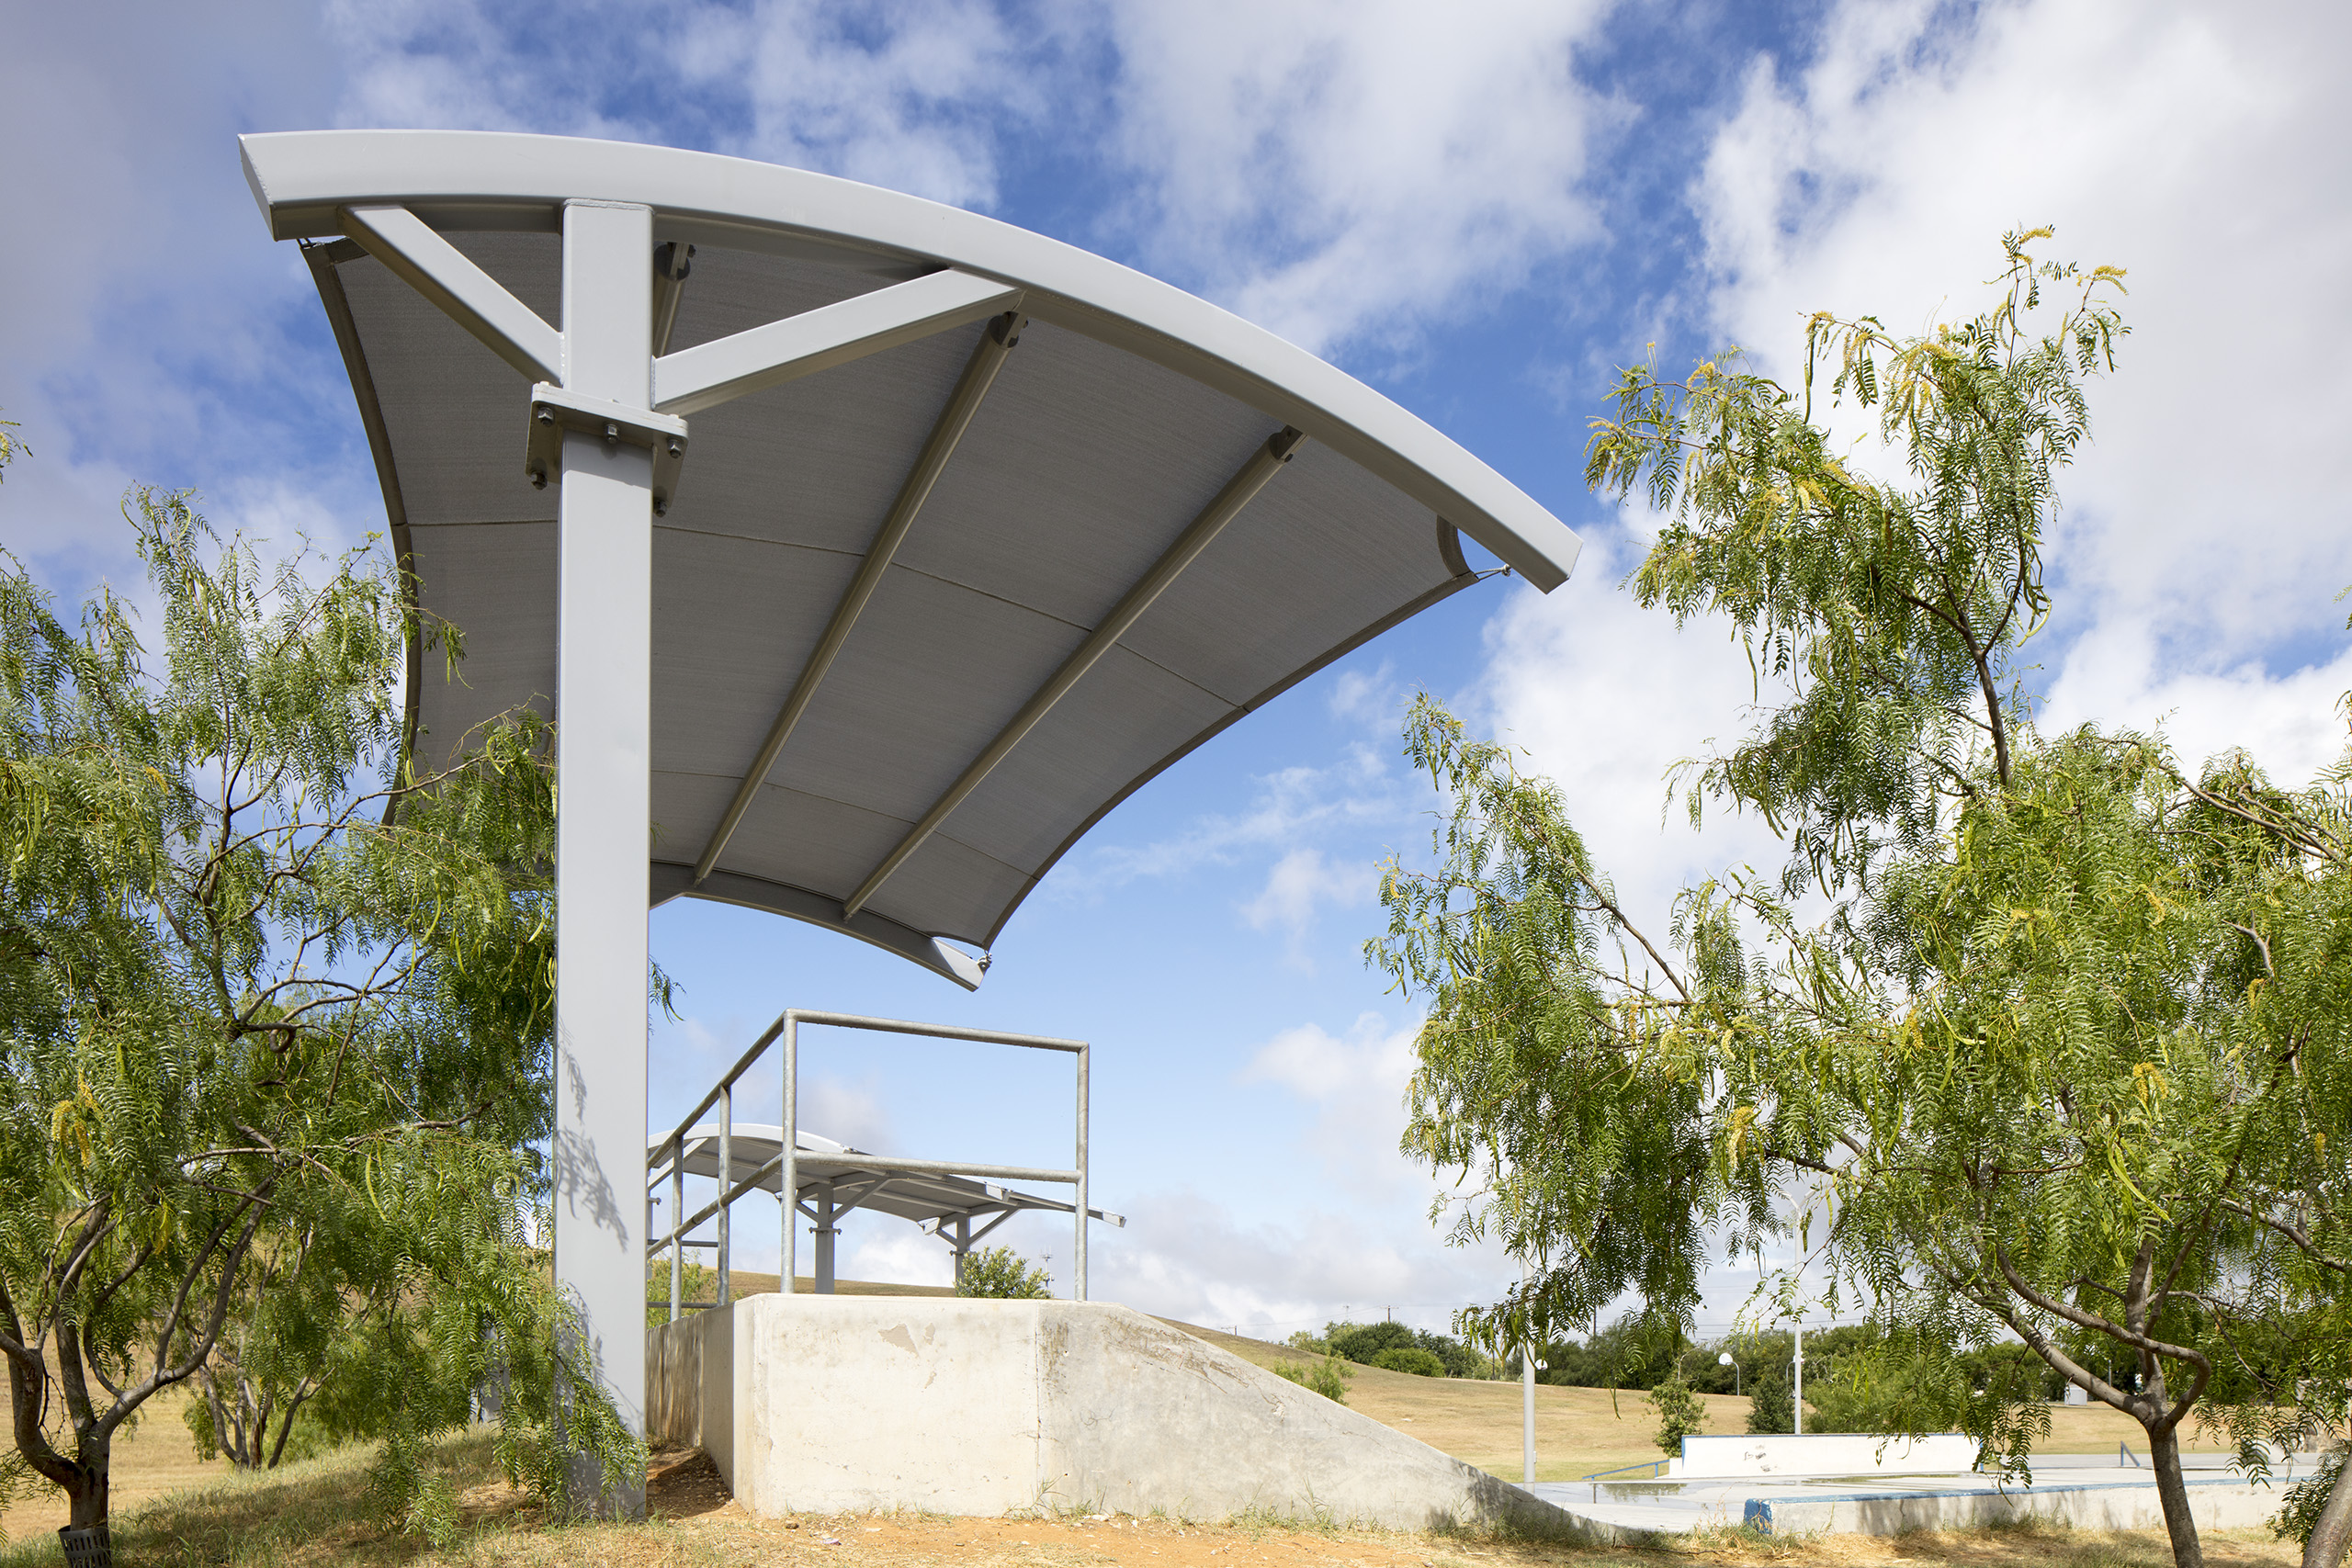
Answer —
(555, 410)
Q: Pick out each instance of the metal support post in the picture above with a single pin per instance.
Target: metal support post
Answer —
(677, 1228)
(963, 1248)
(725, 1182)
(790, 1185)
(1084, 1053)
(603, 760)
(824, 1238)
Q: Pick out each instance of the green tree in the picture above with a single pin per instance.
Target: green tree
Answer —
(1001, 1272)
(1772, 1399)
(2055, 1029)
(1681, 1413)
(274, 1016)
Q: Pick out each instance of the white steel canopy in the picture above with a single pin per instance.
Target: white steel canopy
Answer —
(972, 533)
(865, 551)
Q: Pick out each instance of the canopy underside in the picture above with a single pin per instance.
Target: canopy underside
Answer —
(1082, 465)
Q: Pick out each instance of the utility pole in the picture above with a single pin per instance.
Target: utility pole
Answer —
(1800, 1336)
(1800, 1412)
(1527, 1380)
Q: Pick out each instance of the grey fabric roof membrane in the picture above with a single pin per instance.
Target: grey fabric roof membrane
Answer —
(1122, 411)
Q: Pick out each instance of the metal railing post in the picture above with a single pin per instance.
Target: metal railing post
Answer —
(790, 1188)
(821, 1239)
(1083, 1053)
(787, 1160)
(726, 1181)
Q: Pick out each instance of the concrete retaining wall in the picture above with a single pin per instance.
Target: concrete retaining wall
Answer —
(2230, 1503)
(831, 1403)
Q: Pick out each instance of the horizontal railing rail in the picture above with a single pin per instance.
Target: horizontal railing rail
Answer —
(671, 1152)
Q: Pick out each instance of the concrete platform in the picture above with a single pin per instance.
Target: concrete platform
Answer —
(833, 1404)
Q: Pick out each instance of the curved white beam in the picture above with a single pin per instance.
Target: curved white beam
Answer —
(469, 295)
(500, 180)
(709, 374)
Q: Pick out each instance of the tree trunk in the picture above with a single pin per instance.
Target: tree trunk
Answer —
(2334, 1531)
(86, 1498)
(2163, 1454)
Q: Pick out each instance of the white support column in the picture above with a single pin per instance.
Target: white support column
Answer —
(603, 757)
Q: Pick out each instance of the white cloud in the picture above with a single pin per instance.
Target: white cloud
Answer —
(146, 317)
(1371, 698)
(2204, 148)
(1337, 172)
(1346, 171)
(887, 1251)
(1356, 1084)
(1289, 804)
(912, 100)
(1300, 884)
(846, 1112)
(1185, 1255)
(2290, 723)
(1605, 698)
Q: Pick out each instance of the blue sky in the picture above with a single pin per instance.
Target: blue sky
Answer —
(1480, 209)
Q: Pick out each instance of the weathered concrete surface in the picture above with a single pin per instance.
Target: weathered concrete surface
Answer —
(1824, 1453)
(2219, 1504)
(2105, 1498)
(983, 1408)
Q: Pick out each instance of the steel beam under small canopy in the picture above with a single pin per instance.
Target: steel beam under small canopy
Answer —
(836, 1179)
(867, 551)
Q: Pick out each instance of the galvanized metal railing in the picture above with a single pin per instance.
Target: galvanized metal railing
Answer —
(1653, 1466)
(722, 1095)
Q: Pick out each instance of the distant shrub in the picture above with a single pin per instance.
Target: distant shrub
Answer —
(1364, 1342)
(1004, 1274)
(695, 1283)
(1328, 1377)
(1361, 1341)
(1410, 1359)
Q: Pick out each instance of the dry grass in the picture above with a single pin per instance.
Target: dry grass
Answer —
(156, 1457)
(1580, 1430)
(1577, 1431)
(311, 1516)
